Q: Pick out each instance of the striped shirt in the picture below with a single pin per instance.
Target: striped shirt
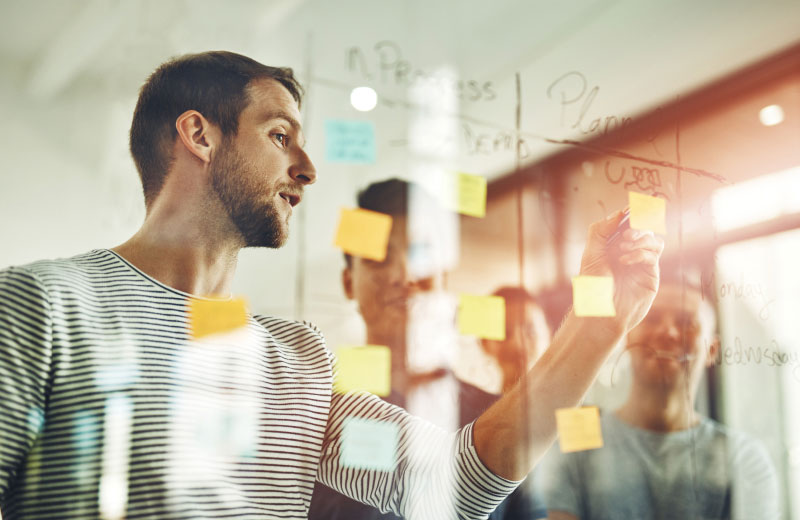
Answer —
(109, 409)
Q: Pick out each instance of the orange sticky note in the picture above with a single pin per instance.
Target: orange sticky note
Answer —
(482, 316)
(471, 194)
(363, 233)
(215, 316)
(648, 213)
(593, 296)
(579, 429)
(368, 444)
(366, 368)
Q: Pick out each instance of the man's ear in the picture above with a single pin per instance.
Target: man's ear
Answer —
(347, 282)
(197, 135)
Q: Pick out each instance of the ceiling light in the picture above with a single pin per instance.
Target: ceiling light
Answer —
(771, 115)
(363, 98)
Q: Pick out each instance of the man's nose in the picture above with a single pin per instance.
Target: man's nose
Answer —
(303, 171)
(403, 275)
(669, 327)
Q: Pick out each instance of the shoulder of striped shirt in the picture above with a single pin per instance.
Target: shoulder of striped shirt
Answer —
(40, 269)
(271, 321)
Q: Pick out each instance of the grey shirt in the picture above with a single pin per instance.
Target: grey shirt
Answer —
(705, 472)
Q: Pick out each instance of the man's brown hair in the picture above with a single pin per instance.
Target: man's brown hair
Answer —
(213, 83)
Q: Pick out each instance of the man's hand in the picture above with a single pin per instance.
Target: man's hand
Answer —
(632, 261)
(514, 433)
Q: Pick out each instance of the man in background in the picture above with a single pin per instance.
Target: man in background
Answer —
(393, 300)
(661, 458)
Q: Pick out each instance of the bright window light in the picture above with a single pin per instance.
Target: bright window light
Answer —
(363, 98)
(757, 200)
(771, 115)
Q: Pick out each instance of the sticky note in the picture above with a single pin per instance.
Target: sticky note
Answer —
(216, 316)
(648, 213)
(471, 194)
(593, 296)
(363, 233)
(366, 368)
(579, 429)
(368, 444)
(482, 316)
(349, 141)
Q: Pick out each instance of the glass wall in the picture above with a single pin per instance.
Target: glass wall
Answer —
(508, 129)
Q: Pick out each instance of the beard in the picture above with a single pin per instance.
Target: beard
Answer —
(233, 180)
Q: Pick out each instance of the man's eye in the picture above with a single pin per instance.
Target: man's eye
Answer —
(282, 138)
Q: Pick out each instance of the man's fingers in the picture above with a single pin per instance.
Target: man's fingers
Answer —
(602, 229)
(640, 256)
(643, 241)
(648, 281)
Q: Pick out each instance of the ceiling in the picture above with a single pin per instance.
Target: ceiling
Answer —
(638, 54)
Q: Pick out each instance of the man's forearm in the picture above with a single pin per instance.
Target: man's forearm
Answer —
(507, 443)
(514, 433)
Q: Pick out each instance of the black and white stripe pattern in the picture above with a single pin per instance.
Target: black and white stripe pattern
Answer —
(236, 426)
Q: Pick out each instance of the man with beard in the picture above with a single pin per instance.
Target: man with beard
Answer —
(108, 401)
(661, 458)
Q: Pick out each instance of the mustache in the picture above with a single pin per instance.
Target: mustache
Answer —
(681, 355)
(291, 189)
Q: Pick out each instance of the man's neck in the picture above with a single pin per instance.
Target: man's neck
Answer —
(184, 251)
(657, 410)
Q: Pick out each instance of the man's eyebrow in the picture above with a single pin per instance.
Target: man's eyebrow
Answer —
(280, 114)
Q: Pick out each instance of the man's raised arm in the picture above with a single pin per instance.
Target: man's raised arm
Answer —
(503, 441)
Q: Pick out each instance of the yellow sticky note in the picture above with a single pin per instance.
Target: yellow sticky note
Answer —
(368, 444)
(579, 429)
(366, 368)
(593, 296)
(471, 194)
(648, 213)
(363, 233)
(482, 316)
(216, 316)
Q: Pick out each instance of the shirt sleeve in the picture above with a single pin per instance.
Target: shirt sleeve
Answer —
(558, 481)
(25, 359)
(754, 482)
(435, 474)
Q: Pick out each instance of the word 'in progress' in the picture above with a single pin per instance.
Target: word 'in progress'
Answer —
(569, 89)
(648, 213)
(349, 141)
(363, 233)
(366, 368)
(482, 316)
(593, 296)
(208, 317)
(387, 58)
(579, 429)
(641, 178)
(368, 444)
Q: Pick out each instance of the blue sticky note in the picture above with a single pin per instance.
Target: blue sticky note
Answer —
(369, 444)
(349, 141)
